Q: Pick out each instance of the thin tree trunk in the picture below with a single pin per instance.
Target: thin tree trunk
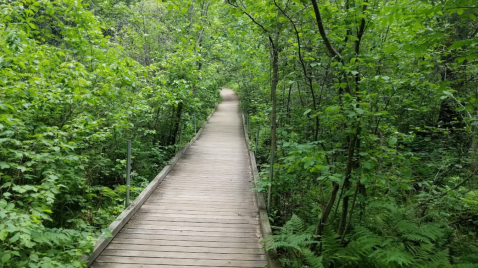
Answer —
(274, 82)
(177, 124)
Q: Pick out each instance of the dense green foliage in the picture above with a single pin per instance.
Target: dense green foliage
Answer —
(376, 142)
(366, 112)
(75, 87)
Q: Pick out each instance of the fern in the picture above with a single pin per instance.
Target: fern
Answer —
(392, 238)
(294, 241)
(312, 259)
(295, 238)
(294, 234)
(464, 265)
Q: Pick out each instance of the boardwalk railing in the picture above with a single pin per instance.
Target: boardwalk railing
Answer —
(131, 210)
(272, 259)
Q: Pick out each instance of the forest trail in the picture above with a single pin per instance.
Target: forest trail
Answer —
(203, 214)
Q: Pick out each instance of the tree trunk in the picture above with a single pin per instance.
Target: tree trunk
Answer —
(274, 82)
(177, 124)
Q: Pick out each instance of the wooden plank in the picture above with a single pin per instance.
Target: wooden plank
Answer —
(181, 262)
(186, 249)
(199, 198)
(148, 231)
(189, 238)
(200, 216)
(195, 183)
(192, 183)
(197, 208)
(204, 201)
(215, 194)
(182, 255)
(197, 212)
(228, 181)
(194, 219)
(245, 229)
(202, 204)
(206, 189)
(167, 225)
(182, 243)
(211, 176)
(135, 265)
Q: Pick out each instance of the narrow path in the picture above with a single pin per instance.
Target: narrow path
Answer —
(203, 214)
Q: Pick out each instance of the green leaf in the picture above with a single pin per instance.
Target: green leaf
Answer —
(368, 165)
(4, 165)
(392, 141)
(6, 257)
(3, 234)
(359, 110)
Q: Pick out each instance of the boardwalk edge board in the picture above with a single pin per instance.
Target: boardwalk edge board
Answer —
(272, 258)
(131, 210)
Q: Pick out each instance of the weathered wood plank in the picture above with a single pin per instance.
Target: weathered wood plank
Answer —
(195, 219)
(135, 265)
(215, 217)
(159, 232)
(121, 265)
(204, 201)
(167, 225)
(186, 243)
(182, 255)
(247, 229)
(197, 212)
(203, 204)
(180, 262)
(202, 249)
(199, 198)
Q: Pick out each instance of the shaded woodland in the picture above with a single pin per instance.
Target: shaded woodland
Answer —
(365, 116)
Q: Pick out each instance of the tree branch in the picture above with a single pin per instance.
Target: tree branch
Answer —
(322, 32)
(250, 17)
(360, 31)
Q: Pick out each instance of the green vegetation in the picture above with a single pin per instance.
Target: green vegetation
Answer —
(75, 87)
(367, 110)
(375, 142)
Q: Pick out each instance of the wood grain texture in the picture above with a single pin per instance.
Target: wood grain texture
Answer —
(203, 213)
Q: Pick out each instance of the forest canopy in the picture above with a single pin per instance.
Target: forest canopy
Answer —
(365, 116)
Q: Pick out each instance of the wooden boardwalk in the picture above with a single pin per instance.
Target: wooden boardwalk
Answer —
(203, 214)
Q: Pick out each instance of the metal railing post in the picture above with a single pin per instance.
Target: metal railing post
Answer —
(181, 127)
(128, 173)
(247, 123)
(257, 140)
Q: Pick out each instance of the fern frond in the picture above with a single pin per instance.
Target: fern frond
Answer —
(312, 260)
(464, 265)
